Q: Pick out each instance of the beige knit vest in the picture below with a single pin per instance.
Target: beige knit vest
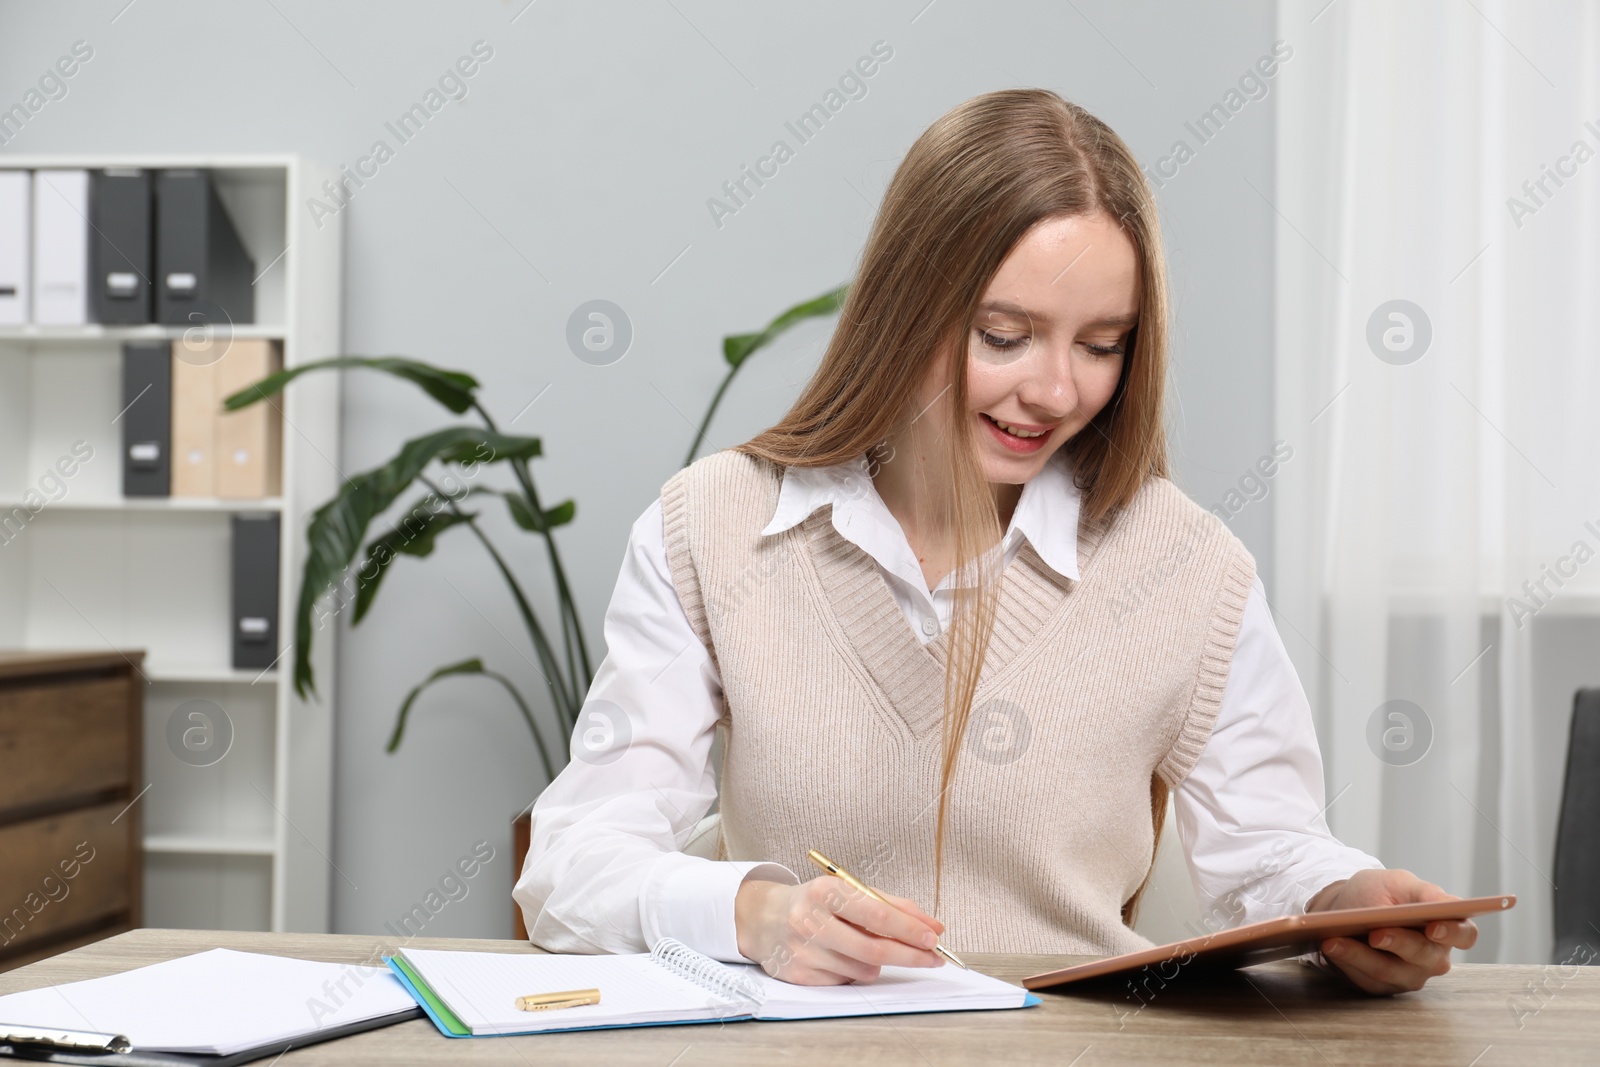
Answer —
(832, 706)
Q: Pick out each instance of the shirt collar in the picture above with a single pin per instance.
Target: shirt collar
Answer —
(1046, 514)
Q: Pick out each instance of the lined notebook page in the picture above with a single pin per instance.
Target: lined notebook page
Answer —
(897, 989)
(482, 989)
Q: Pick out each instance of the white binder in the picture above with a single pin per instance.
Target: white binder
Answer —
(16, 224)
(60, 247)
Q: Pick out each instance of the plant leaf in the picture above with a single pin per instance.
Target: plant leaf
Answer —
(413, 535)
(338, 527)
(524, 516)
(475, 666)
(454, 389)
(561, 514)
(738, 347)
(466, 666)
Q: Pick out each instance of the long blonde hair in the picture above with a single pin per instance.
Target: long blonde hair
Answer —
(968, 190)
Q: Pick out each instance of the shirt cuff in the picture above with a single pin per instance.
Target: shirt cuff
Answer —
(1289, 891)
(1321, 875)
(693, 903)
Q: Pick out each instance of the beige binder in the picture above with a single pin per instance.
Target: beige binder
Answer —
(194, 394)
(249, 442)
(236, 455)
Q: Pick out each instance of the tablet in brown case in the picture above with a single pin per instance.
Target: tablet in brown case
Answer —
(1274, 939)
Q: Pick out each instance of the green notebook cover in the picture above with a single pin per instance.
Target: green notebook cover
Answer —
(436, 1007)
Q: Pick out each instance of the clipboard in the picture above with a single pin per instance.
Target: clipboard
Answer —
(136, 1058)
(217, 1007)
(1273, 939)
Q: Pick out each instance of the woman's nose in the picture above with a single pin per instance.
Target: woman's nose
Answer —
(1048, 387)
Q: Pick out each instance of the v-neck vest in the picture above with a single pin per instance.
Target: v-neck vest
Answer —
(833, 707)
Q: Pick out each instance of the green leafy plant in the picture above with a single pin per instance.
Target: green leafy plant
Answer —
(339, 531)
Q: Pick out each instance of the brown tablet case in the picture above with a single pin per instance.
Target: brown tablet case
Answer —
(1274, 939)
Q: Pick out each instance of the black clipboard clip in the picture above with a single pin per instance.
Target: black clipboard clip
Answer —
(33, 1037)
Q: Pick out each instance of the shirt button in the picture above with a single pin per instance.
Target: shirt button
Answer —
(930, 625)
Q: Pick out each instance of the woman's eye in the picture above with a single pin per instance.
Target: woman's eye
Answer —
(1108, 350)
(1001, 344)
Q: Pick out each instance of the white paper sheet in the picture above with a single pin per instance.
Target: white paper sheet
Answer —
(897, 989)
(216, 1002)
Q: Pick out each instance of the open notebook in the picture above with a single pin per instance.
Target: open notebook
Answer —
(474, 994)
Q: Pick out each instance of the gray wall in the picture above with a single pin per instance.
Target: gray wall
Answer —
(578, 167)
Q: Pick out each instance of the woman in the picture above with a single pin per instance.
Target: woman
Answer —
(959, 629)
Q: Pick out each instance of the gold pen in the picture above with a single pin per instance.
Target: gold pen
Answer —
(855, 883)
(570, 998)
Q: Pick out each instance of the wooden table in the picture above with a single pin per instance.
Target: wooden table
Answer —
(1280, 1013)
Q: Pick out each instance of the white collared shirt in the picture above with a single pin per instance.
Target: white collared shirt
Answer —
(604, 873)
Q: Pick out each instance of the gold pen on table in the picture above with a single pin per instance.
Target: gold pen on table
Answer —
(855, 883)
(567, 998)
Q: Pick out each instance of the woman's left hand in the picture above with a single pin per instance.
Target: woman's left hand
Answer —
(1391, 960)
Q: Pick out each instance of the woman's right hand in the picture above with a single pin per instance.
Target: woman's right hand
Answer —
(823, 932)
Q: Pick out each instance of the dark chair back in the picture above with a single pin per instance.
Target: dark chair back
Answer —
(1577, 864)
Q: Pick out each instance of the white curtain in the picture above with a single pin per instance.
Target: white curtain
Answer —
(1445, 155)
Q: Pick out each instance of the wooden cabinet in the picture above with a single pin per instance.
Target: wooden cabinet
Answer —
(71, 732)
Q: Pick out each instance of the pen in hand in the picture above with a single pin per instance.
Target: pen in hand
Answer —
(861, 887)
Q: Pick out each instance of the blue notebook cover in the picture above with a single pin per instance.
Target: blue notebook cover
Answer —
(450, 1026)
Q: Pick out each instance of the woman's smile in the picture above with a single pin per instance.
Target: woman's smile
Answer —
(1028, 439)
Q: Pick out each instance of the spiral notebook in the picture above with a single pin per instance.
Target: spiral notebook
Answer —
(474, 994)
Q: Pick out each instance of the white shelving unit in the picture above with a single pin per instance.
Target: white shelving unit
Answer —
(244, 843)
